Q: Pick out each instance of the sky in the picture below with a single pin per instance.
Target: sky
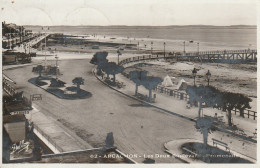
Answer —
(126, 12)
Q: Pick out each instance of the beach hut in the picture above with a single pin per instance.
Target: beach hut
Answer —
(167, 82)
(182, 85)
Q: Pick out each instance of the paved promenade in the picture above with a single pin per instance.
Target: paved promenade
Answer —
(58, 137)
(246, 126)
(137, 128)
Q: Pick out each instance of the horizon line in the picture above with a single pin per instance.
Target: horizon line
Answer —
(146, 25)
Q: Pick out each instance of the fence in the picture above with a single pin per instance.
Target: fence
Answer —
(174, 93)
(185, 96)
(47, 138)
(246, 112)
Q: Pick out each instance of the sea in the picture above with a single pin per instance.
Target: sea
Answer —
(199, 37)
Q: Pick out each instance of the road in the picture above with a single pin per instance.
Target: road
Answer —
(137, 129)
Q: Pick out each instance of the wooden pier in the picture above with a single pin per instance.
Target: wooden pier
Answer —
(224, 56)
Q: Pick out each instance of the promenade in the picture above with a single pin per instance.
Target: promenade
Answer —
(178, 107)
(55, 135)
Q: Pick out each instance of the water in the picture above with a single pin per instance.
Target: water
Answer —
(209, 37)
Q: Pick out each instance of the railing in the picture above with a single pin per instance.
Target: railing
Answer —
(144, 57)
(246, 112)
(17, 40)
(160, 56)
(48, 138)
(8, 88)
(175, 93)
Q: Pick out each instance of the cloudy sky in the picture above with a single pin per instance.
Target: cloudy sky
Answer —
(126, 12)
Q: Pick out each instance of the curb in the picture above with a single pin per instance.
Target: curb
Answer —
(240, 155)
(56, 94)
(46, 142)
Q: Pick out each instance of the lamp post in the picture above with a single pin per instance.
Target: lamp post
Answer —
(10, 39)
(45, 28)
(194, 73)
(151, 48)
(164, 48)
(198, 45)
(57, 66)
(208, 75)
(118, 53)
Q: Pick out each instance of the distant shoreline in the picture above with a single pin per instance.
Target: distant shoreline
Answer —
(149, 25)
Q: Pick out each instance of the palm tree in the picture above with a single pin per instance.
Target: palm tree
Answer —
(205, 126)
(136, 77)
(150, 82)
(111, 68)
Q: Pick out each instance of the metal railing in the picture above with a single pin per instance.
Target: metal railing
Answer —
(48, 138)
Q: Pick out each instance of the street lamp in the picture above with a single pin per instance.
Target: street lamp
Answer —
(208, 75)
(56, 65)
(151, 48)
(164, 48)
(198, 44)
(45, 28)
(118, 53)
(194, 73)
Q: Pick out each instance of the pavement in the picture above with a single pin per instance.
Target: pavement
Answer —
(58, 136)
(246, 126)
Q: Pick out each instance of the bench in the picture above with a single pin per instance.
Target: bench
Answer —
(190, 152)
(218, 142)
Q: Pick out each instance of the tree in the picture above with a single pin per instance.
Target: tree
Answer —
(78, 81)
(150, 82)
(205, 126)
(136, 77)
(39, 68)
(99, 59)
(230, 101)
(203, 94)
(111, 68)
(243, 103)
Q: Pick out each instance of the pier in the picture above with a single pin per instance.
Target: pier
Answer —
(224, 56)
